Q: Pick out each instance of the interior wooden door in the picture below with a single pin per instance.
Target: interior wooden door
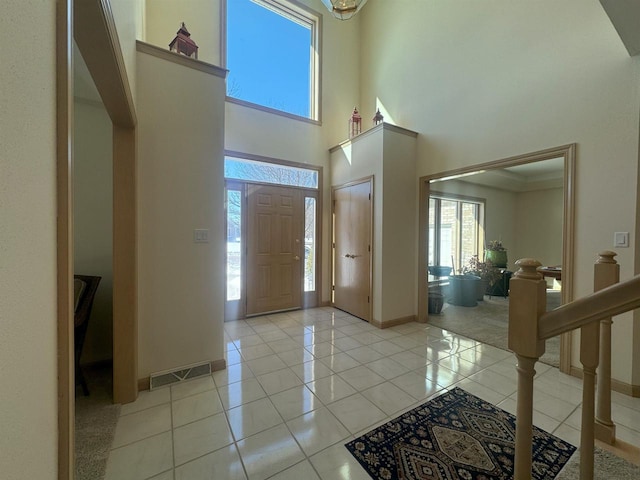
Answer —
(274, 249)
(352, 251)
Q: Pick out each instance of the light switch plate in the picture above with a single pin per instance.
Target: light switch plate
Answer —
(621, 239)
(201, 235)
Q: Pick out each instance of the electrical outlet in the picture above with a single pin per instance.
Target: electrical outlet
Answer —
(201, 235)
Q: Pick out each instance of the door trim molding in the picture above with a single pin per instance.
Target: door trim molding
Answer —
(64, 252)
(235, 183)
(97, 39)
(569, 153)
(93, 27)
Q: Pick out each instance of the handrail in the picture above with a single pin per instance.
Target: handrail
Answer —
(620, 298)
(530, 326)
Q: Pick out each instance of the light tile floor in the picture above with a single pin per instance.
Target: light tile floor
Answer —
(301, 384)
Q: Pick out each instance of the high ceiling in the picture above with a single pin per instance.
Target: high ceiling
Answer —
(625, 16)
(540, 175)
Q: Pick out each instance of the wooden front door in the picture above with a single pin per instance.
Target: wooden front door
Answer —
(274, 248)
(352, 249)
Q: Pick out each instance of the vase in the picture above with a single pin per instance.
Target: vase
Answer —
(436, 302)
(497, 257)
(463, 290)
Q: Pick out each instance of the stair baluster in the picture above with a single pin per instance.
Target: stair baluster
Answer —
(606, 272)
(589, 340)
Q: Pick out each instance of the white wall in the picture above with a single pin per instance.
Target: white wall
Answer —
(28, 372)
(527, 76)
(180, 188)
(201, 17)
(93, 220)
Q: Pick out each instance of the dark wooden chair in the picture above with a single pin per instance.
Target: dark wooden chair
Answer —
(85, 287)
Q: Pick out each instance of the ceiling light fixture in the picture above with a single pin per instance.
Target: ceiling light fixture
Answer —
(344, 9)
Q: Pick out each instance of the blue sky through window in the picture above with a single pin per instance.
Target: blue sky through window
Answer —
(268, 57)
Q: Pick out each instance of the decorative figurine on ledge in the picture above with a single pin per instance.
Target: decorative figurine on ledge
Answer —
(378, 118)
(183, 43)
(355, 123)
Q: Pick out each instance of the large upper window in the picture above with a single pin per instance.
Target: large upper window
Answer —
(456, 230)
(272, 55)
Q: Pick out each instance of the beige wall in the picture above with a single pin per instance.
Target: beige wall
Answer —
(28, 403)
(517, 219)
(399, 220)
(201, 17)
(180, 188)
(128, 16)
(529, 76)
(355, 160)
(389, 157)
(500, 212)
(93, 220)
(252, 131)
(538, 224)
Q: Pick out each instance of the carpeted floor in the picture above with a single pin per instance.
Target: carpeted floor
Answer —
(606, 466)
(455, 435)
(96, 419)
(489, 321)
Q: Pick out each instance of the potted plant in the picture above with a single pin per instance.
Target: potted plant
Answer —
(463, 290)
(487, 272)
(496, 254)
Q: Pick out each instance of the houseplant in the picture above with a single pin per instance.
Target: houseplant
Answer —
(496, 254)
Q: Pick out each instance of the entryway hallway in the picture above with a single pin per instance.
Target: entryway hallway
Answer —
(300, 384)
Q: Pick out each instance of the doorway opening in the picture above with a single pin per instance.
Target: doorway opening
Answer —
(548, 173)
(273, 235)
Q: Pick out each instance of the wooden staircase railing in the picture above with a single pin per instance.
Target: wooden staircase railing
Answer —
(530, 326)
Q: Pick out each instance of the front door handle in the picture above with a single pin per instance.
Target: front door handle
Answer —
(296, 257)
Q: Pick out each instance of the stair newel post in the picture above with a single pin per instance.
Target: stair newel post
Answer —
(528, 301)
(606, 273)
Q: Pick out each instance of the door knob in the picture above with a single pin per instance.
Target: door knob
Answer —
(296, 257)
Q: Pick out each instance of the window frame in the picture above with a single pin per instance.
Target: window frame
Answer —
(480, 222)
(236, 309)
(301, 14)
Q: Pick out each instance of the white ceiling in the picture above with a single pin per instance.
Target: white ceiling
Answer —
(540, 175)
(625, 16)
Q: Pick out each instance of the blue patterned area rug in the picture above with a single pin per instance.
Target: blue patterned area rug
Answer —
(454, 436)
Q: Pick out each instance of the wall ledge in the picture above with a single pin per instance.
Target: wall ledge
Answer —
(174, 57)
(382, 126)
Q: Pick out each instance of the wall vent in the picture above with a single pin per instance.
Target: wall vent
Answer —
(162, 379)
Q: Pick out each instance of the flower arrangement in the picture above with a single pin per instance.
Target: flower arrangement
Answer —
(485, 270)
(496, 246)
